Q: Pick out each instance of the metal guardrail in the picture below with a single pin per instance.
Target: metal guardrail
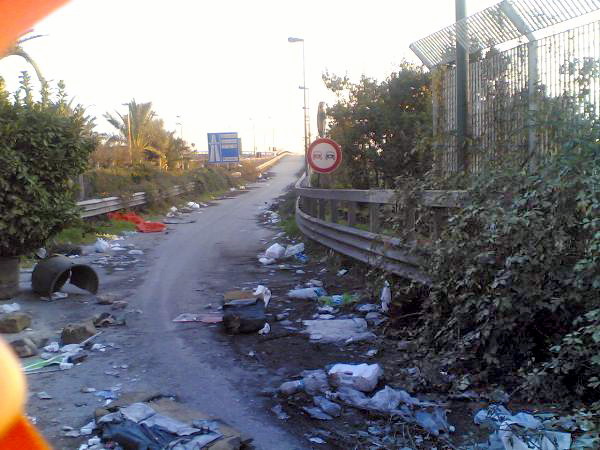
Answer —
(370, 247)
(271, 162)
(99, 206)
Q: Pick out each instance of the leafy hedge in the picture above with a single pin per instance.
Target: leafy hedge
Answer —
(43, 145)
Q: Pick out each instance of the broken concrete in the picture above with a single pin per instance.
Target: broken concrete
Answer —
(14, 322)
(76, 333)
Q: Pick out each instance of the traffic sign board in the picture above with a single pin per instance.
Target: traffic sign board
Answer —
(223, 147)
(324, 155)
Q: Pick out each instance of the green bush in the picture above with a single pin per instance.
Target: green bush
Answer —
(43, 145)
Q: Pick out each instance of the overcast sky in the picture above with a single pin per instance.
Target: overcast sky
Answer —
(225, 65)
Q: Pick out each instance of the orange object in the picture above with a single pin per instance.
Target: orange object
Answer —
(140, 224)
(15, 431)
(18, 16)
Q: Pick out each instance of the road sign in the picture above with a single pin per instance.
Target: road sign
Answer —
(224, 147)
(324, 155)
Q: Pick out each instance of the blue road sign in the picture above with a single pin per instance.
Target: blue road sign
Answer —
(224, 147)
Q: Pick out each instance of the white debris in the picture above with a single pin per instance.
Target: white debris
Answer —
(193, 205)
(386, 297)
(342, 272)
(52, 347)
(173, 209)
(311, 293)
(265, 330)
(65, 366)
(292, 250)
(101, 246)
(363, 377)
(88, 428)
(10, 308)
(266, 261)
(136, 252)
(275, 251)
(70, 348)
(263, 293)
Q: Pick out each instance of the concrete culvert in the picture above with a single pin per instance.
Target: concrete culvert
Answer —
(51, 274)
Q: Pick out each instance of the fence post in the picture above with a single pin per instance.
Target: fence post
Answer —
(373, 217)
(462, 87)
(351, 214)
(334, 211)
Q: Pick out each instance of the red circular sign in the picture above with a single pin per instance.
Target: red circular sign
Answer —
(324, 155)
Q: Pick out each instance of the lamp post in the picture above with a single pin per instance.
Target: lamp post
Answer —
(293, 40)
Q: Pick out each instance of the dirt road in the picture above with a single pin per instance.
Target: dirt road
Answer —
(186, 270)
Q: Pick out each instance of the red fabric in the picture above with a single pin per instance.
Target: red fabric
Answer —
(140, 224)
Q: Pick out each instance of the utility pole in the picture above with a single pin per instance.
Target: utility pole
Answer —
(462, 90)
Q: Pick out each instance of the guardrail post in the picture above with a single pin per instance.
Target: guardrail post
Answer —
(322, 205)
(373, 217)
(334, 211)
(351, 214)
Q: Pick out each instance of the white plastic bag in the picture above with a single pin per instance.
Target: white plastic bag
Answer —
(10, 308)
(266, 261)
(292, 250)
(101, 246)
(312, 293)
(263, 293)
(275, 251)
(363, 377)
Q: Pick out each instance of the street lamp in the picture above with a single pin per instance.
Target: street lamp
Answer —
(293, 40)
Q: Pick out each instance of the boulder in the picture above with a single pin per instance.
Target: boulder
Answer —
(76, 333)
(24, 347)
(14, 322)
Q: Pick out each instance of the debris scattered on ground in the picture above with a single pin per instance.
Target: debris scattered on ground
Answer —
(140, 224)
(279, 412)
(263, 293)
(204, 318)
(342, 272)
(310, 293)
(76, 333)
(338, 331)
(265, 330)
(363, 377)
(9, 308)
(244, 315)
(24, 347)
(386, 297)
(519, 431)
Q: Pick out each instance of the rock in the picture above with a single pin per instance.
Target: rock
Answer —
(317, 413)
(329, 407)
(106, 299)
(44, 396)
(72, 434)
(119, 304)
(315, 381)
(374, 318)
(87, 390)
(75, 333)
(291, 387)
(39, 339)
(24, 347)
(367, 308)
(14, 322)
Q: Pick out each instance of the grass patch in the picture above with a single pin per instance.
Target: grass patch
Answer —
(88, 232)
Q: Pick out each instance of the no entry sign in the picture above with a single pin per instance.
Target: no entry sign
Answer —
(324, 155)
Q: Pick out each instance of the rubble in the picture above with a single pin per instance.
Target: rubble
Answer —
(14, 322)
(76, 333)
(24, 347)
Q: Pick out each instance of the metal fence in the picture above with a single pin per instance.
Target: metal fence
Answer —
(513, 95)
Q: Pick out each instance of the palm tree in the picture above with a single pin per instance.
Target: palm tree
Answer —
(17, 50)
(134, 128)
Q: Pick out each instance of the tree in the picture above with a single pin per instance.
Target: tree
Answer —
(384, 128)
(17, 50)
(135, 129)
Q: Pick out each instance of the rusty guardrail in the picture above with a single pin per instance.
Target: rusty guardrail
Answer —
(314, 206)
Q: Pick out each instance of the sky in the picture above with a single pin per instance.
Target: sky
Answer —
(226, 65)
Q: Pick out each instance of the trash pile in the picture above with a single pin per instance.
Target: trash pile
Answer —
(158, 423)
(278, 252)
(140, 224)
(521, 431)
(271, 217)
(116, 255)
(332, 391)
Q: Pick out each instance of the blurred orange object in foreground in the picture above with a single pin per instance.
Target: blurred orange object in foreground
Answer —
(15, 431)
(18, 16)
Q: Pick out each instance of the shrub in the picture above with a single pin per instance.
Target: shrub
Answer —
(43, 145)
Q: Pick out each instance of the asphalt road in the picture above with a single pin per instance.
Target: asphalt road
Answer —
(189, 269)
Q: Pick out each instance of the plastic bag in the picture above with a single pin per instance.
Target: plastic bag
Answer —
(264, 293)
(312, 293)
(101, 246)
(275, 251)
(292, 250)
(386, 297)
(363, 377)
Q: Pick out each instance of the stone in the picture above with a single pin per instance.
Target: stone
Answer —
(24, 348)
(367, 308)
(44, 396)
(244, 316)
(76, 333)
(374, 318)
(14, 322)
(39, 339)
(329, 407)
(316, 413)
(120, 304)
(315, 381)
(106, 299)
